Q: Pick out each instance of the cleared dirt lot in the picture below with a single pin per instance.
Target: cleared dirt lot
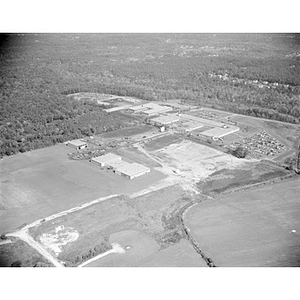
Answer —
(43, 182)
(188, 162)
(251, 228)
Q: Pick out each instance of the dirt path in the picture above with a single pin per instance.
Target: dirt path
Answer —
(23, 235)
(65, 212)
(116, 248)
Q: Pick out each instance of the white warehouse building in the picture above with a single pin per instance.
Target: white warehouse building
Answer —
(133, 170)
(76, 144)
(105, 159)
(120, 167)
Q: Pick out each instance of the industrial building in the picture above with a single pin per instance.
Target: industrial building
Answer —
(189, 126)
(149, 109)
(103, 160)
(118, 163)
(120, 167)
(164, 120)
(157, 110)
(77, 144)
(137, 108)
(132, 171)
(117, 108)
(201, 120)
(216, 133)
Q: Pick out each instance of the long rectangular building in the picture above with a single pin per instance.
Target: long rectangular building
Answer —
(220, 132)
(104, 160)
(120, 167)
(132, 170)
(202, 120)
(164, 120)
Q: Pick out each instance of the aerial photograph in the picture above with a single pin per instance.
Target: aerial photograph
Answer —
(150, 150)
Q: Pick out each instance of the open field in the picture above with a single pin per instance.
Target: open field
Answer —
(78, 236)
(43, 182)
(139, 245)
(143, 251)
(251, 228)
(251, 173)
(17, 250)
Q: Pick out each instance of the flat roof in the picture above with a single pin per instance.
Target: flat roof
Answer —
(219, 132)
(133, 169)
(138, 107)
(150, 108)
(166, 119)
(202, 120)
(117, 108)
(191, 125)
(117, 163)
(157, 110)
(106, 158)
(77, 143)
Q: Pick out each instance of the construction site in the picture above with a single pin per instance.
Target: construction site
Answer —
(127, 197)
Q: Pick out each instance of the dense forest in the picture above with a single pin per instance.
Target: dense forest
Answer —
(37, 71)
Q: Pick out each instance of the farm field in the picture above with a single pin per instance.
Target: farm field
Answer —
(15, 251)
(250, 228)
(251, 173)
(80, 235)
(144, 252)
(43, 182)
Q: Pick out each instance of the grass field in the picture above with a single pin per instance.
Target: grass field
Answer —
(251, 228)
(18, 250)
(80, 235)
(251, 173)
(143, 251)
(43, 182)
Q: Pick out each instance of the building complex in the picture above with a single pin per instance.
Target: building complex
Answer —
(120, 167)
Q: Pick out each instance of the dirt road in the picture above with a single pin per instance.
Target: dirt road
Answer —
(116, 248)
(24, 236)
